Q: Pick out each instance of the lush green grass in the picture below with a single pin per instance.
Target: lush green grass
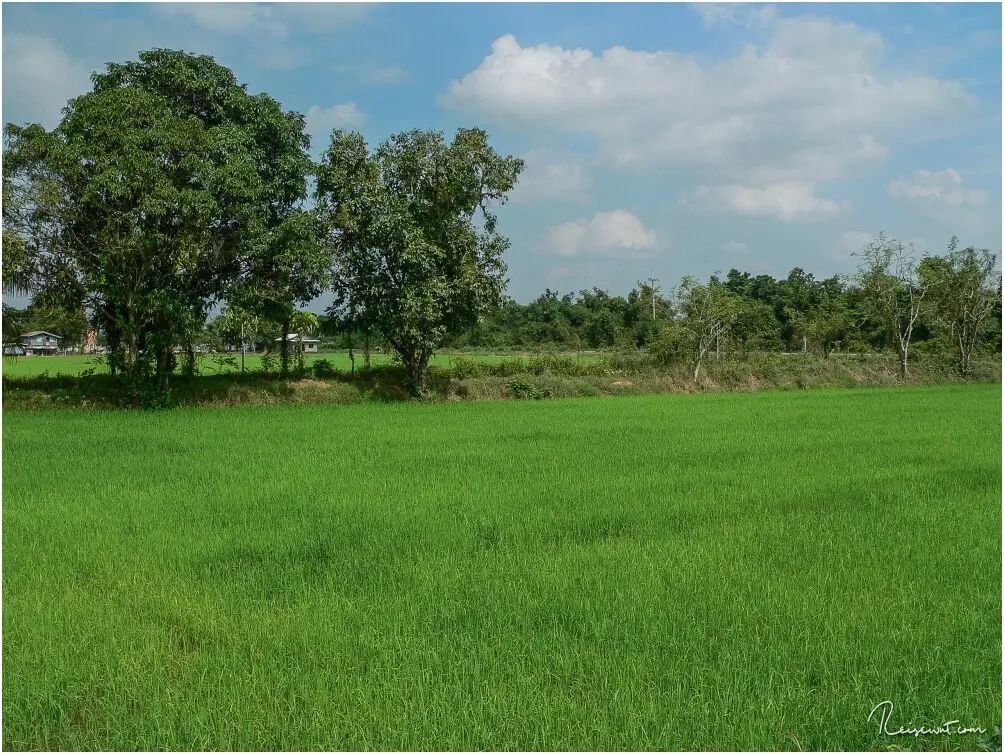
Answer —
(73, 365)
(732, 571)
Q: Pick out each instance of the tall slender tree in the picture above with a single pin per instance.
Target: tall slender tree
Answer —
(892, 290)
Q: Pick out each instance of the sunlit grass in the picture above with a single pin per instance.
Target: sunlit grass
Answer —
(692, 572)
(74, 364)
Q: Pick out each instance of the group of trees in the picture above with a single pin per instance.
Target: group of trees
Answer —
(950, 302)
(169, 192)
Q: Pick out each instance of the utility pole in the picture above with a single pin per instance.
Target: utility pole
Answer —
(651, 282)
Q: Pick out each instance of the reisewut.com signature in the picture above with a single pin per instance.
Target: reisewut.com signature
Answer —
(947, 728)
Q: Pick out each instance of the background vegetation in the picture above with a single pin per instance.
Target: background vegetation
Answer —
(171, 213)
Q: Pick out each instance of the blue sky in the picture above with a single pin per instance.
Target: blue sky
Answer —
(672, 138)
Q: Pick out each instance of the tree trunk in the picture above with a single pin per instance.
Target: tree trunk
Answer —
(903, 354)
(188, 367)
(284, 350)
(805, 345)
(697, 370)
(366, 348)
(114, 350)
(417, 363)
(965, 352)
(131, 355)
(421, 378)
(164, 365)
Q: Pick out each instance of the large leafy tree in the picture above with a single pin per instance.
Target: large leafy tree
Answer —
(963, 294)
(754, 326)
(415, 245)
(152, 196)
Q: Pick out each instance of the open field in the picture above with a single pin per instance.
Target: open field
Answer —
(733, 571)
(73, 365)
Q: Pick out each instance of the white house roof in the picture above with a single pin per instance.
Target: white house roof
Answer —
(296, 337)
(33, 333)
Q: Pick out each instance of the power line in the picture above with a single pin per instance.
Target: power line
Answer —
(651, 284)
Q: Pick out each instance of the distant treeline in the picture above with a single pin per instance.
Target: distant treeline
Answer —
(795, 313)
(763, 313)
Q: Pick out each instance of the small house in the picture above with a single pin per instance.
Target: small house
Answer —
(39, 342)
(309, 344)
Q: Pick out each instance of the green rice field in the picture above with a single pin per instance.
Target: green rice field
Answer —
(725, 572)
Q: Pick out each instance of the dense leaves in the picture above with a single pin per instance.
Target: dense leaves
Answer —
(159, 191)
(414, 243)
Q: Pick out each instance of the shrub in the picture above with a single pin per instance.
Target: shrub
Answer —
(269, 363)
(323, 369)
(669, 347)
(463, 368)
(525, 390)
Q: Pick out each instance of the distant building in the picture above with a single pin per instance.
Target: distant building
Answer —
(39, 343)
(309, 344)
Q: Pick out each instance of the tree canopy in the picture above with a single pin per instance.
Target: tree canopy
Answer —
(409, 255)
(154, 196)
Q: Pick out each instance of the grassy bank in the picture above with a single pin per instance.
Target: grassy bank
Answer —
(681, 572)
(328, 380)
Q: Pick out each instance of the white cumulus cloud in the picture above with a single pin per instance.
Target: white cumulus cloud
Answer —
(616, 233)
(230, 18)
(784, 201)
(939, 186)
(813, 104)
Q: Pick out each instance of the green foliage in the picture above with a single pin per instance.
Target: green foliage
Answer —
(225, 363)
(708, 313)
(892, 290)
(670, 346)
(323, 369)
(963, 297)
(522, 389)
(153, 196)
(269, 363)
(399, 224)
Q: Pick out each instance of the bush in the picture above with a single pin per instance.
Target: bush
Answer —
(463, 368)
(525, 390)
(669, 347)
(269, 363)
(323, 369)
